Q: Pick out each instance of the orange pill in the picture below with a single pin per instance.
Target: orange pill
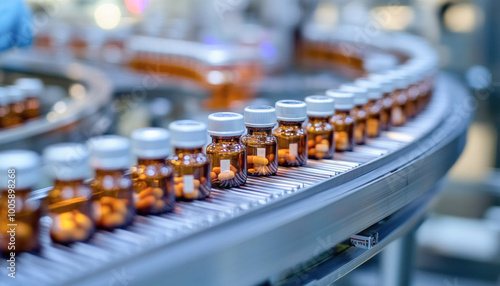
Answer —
(290, 159)
(233, 168)
(311, 143)
(158, 192)
(270, 157)
(250, 158)
(145, 202)
(159, 205)
(320, 155)
(83, 221)
(146, 192)
(191, 196)
(179, 188)
(261, 161)
(312, 152)
(282, 153)
(226, 176)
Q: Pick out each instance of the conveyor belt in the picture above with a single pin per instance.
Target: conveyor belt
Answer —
(102, 257)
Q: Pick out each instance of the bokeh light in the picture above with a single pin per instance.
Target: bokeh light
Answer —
(107, 16)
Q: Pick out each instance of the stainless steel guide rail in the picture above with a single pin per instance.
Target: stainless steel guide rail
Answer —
(245, 235)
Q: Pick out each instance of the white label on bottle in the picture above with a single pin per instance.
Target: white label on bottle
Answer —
(225, 166)
(261, 152)
(293, 149)
(188, 184)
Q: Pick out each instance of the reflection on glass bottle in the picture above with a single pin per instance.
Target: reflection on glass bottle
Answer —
(320, 131)
(69, 201)
(112, 192)
(19, 212)
(262, 145)
(227, 154)
(342, 119)
(152, 177)
(292, 138)
(191, 166)
(358, 112)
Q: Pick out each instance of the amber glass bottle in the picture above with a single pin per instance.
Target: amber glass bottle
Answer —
(292, 138)
(19, 213)
(33, 89)
(262, 145)
(373, 107)
(413, 91)
(387, 88)
(153, 177)
(227, 154)
(320, 131)
(342, 119)
(112, 192)
(69, 201)
(358, 112)
(191, 166)
(15, 98)
(4, 108)
(399, 98)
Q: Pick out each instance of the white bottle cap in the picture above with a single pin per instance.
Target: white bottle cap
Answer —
(374, 88)
(4, 99)
(386, 83)
(26, 165)
(109, 152)
(15, 94)
(151, 143)
(33, 87)
(290, 110)
(320, 105)
(225, 124)
(67, 161)
(188, 133)
(260, 116)
(343, 100)
(360, 93)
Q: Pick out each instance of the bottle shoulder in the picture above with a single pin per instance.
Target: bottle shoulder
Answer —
(340, 119)
(188, 159)
(225, 147)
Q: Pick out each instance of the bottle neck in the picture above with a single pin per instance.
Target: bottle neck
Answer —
(195, 150)
(260, 130)
(143, 161)
(58, 184)
(314, 119)
(342, 111)
(290, 123)
(102, 173)
(226, 139)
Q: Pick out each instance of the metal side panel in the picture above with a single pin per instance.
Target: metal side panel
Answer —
(243, 236)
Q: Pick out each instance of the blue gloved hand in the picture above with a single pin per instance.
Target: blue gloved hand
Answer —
(15, 24)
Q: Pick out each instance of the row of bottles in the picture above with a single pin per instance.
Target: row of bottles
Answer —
(20, 102)
(242, 145)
